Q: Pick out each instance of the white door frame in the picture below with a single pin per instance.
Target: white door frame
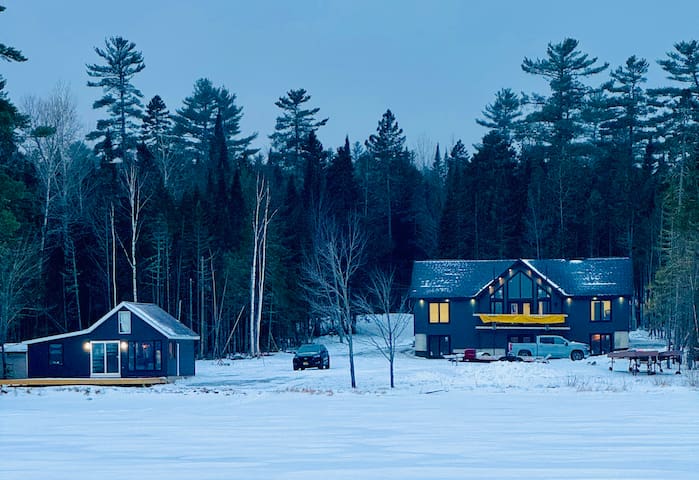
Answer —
(105, 374)
(177, 354)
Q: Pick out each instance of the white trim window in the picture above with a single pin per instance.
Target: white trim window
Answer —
(125, 322)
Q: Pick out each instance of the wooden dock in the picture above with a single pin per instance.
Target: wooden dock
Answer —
(60, 382)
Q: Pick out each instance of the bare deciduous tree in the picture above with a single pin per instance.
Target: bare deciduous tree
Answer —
(338, 253)
(260, 225)
(61, 165)
(19, 267)
(137, 198)
(387, 314)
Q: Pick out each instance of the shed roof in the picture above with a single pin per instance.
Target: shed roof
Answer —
(150, 313)
(467, 278)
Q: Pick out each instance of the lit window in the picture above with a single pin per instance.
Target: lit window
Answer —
(125, 322)
(145, 355)
(600, 310)
(600, 343)
(439, 312)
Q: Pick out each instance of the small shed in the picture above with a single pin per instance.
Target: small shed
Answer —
(15, 360)
(132, 340)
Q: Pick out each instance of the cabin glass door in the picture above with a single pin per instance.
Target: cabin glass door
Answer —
(105, 360)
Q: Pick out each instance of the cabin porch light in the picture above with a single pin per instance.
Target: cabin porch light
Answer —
(621, 299)
(421, 301)
(87, 346)
(473, 301)
(124, 346)
(569, 300)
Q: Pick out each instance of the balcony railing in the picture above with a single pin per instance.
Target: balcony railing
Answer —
(522, 319)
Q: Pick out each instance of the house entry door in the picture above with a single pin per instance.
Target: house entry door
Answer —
(105, 360)
(438, 345)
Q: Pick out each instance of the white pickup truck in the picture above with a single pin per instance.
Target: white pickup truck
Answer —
(550, 346)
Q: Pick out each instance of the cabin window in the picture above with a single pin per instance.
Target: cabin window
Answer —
(145, 355)
(439, 312)
(55, 354)
(600, 310)
(125, 322)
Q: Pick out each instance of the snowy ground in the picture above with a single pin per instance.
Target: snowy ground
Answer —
(257, 418)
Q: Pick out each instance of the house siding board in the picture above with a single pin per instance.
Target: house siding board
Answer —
(187, 354)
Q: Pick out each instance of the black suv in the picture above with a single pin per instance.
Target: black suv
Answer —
(311, 355)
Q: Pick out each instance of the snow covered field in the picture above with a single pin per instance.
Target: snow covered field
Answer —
(257, 418)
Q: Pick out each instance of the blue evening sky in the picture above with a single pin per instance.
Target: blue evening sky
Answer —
(435, 64)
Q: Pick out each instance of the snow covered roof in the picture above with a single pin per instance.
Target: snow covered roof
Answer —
(15, 348)
(162, 321)
(152, 314)
(467, 278)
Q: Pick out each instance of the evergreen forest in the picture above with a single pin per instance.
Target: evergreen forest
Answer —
(258, 250)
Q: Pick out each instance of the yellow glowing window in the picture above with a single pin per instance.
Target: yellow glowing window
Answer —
(600, 310)
(439, 312)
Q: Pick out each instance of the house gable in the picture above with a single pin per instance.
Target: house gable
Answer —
(153, 315)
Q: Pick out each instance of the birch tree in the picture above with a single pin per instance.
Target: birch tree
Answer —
(260, 227)
(137, 198)
(61, 166)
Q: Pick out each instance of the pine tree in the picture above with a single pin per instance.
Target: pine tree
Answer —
(386, 149)
(495, 200)
(561, 130)
(342, 189)
(158, 137)
(454, 236)
(9, 54)
(503, 114)
(220, 181)
(194, 122)
(679, 125)
(293, 127)
(314, 174)
(10, 118)
(121, 99)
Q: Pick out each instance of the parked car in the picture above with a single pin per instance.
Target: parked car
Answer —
(311, 355)
(552, 346)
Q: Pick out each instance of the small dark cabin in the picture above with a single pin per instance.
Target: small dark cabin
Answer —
(132, 340)
(484, 304)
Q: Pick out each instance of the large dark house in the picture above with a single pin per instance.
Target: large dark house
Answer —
(132, 340)
(485, 304)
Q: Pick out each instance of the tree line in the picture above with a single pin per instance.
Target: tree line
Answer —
(260, 250)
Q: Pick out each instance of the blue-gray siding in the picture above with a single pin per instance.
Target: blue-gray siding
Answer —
(76, 359)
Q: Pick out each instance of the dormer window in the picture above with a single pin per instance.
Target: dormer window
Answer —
(125, 322)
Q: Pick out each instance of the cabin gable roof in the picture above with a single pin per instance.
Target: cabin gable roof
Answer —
(153, 315)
